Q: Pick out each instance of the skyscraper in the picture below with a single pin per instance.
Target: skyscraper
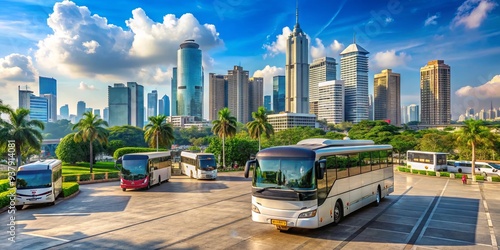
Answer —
(297, 71)
(136, 104)
(80, 109)
(153, 103)
(435, 93)
(118, 105)
(38, 108)
(267, 102)
(256, 85)
(105, 114)
(164, 105)
(97, 112)
(354, 71)
(387, 95)
(174, 91)
(278, 94)
(218, 96)
(321, 70)
(238, 93)
(48, 89)
(331, 101)
(189, 80)
(413, 113)
(404, 115)
(24, 97)
(64, 111)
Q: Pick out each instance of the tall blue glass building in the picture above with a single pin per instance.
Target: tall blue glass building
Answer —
(152, 104)
(189, 80)
(48, 89)
(278, 94)
(64, 111)
(38, 108)
(267, 102)
(118, 105)
(174, 91)
(164, 106)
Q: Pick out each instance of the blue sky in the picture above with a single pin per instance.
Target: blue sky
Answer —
(88, 45)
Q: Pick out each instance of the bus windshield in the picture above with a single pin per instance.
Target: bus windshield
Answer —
(34, 179)
(285, 174)
(207, 163)
(135, 169)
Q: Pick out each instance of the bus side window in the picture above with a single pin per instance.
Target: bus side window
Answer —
(364, 160)
(375, 160)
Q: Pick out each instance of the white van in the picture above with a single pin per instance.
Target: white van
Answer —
(483, 168)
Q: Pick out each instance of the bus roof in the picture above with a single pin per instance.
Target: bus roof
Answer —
(315, 143)
(286, 151)
(306, 151)
(40, 165)
(351, 149)
(193, 154)
(427, 152)
(152, 154)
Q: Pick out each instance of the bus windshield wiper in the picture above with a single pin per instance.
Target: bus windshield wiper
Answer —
(266, 188)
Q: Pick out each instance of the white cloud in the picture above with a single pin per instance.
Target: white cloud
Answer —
(431, 20)
(278, 46)
(389, 20)
(472, 13)
(86, 45)
(84, 86)
(390, 59)
(16, 67)
(491, 89)
(318, 50)
(336, 47)
(267, 73)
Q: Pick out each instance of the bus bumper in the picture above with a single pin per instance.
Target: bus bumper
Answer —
(292, 221)
(136, 184)
(38, 199)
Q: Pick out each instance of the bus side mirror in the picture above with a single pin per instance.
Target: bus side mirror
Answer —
(248, 165)
(320, 169)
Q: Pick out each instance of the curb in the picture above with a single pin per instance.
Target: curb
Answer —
(95, 181)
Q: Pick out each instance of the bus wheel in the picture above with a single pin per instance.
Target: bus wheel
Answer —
(337, 213)
(124, 189)
(159, 180)
(378, 198)
(282, 228)
(460, 170)
(19, 207)
(149, 186)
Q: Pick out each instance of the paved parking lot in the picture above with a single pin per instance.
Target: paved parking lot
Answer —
(423, 213)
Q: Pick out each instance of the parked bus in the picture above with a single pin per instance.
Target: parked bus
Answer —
(198, 165)
(143, 170)
(38, 182)
(483, 168)
(318, 181)
(431, 161)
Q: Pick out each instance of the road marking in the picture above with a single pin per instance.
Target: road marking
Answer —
(46, 237)
(494, 243)
(63, 214)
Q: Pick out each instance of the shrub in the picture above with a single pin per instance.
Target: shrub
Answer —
(128, 150)
(458, 176)
(70, 188)
(445, 174)
(85, 177)
(431, 173)
(5, 197)
(4, 185)
(495, 178)
(113, 175)
(479, 178)
(100, 176)
(422, 172)
(70, 178)
(414, 171)
(4, 175)
(403, 169)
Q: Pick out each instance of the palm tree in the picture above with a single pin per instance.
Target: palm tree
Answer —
(159, 132)
(19, 129)
(224, 127)
(91, 128)
(259, 125)
(474, 133)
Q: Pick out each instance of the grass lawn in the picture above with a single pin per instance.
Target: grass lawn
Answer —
(83, 168)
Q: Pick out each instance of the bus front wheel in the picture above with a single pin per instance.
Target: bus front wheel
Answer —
(19, 207)
(337, 213)
(378, 198)
(124, 189)
(159, 180)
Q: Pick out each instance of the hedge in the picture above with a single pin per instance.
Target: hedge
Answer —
(70, 188)
(70, 178)
(422, 172)
(479, 178)
(113, 175)
(444, 174)
(431, 173)
(85, 177)
(414, 171)
(100, 176)
(128, 150)
(5, 197)
(4, 185)
(495, 178)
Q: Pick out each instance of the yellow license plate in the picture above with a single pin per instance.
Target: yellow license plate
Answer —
(279, 222)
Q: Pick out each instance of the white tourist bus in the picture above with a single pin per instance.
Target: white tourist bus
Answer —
(318, 181)
(38, 182)
(483, 168)
(430, 161)
(143, 170)
(198, 165)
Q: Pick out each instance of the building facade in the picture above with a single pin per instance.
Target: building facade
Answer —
(81, 106)
(331, 101)
(297, 71)
(64, 111)
(435, 93)
(174, 92)
(105, 114)
(164, 105)
(218, 95)
(278, 94)
(238, 93)
(413, 113)
(285, 121)
(387, 97)
(152, 104)
(119, 105)
(256, 85)
(267, 102)
(48, 89)
(354, 72)
(189, 80)
(321, 70)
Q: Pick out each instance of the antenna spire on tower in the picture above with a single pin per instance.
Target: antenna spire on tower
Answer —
(354, 37)
(297, 11)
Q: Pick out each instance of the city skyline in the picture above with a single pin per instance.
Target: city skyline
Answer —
(402, 36)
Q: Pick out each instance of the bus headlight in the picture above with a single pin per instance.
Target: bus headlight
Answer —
(308, 214)
(145, 180)
(255, 209)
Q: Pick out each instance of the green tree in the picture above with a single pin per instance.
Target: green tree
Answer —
(158, 132)
(403, 143)
(89, 129)
(58, 129)
(18, 128)
(260, 125)
(130, 136)
(224, 127)
(474, 133)
(437, 142)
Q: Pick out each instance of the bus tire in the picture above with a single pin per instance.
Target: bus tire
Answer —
(337, 212)
(19, 207)
(159, 180)
(460, 170)
(124, 189)
(378, 198)
(149, 186)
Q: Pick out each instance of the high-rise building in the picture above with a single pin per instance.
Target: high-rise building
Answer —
(189, 80)
(387, 97)
(174, 91)
(64, 111)
(80, 109)
(267, 102)
(354, 72)
(492, 114)
(370, 107)
(164, 105)
(136, 104)
(278, 94)
(297, 71)
(38, 108)
(152, 103)
(404, 114)
(48, 89)
(218, 95)
(24, 97)
(105, 114)
(97, 112)
(435, 93)
(256, 85)
(238, 94)
(88, 110)
(118, 105)
(413, 112)
(469, 112)
(331, 101)
(321, 70)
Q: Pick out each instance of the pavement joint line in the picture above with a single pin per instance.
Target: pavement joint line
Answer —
(458, 241)
(46, 237)
(494, 242)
